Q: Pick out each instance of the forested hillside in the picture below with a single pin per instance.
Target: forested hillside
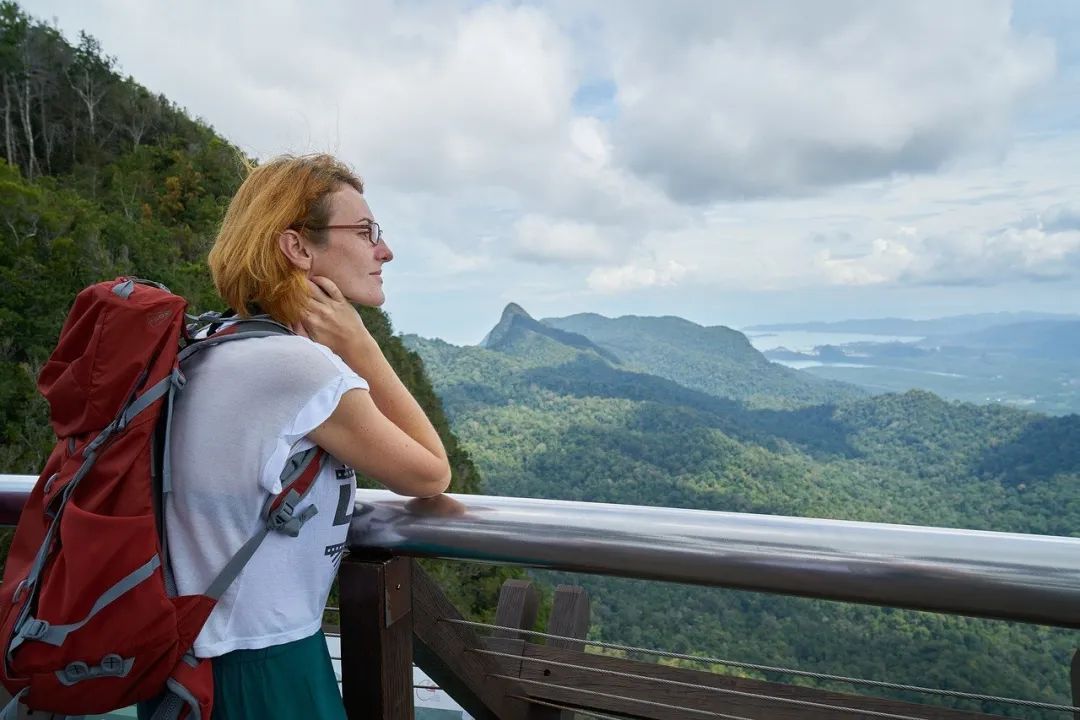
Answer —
(715, 360)
(101, 177)
(547, 419)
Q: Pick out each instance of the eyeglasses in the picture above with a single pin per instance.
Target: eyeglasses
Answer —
(374, 232)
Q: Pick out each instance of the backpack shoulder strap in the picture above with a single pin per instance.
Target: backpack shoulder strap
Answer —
(279, 514)
(240, 329)
(259, 326)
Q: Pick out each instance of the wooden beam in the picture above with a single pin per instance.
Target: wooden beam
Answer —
(569, 618)
(445, 652)
(376, 637)
(1074, 679)
(644, 697)
(518, 604)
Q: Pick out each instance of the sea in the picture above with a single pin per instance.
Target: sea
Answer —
(802, 341)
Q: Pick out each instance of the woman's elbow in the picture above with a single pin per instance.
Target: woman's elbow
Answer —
(430, 485)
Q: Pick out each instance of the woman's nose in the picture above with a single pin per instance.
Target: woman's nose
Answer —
(383, 252)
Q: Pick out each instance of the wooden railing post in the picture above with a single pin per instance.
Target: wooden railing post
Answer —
(376, 637)
(446, 651)
(518, 604)
(1074, 679)
(569, 617)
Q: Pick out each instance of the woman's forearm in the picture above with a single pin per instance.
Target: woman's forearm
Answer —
(392, 397)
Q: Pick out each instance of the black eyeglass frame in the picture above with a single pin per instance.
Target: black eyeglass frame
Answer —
(375, 233)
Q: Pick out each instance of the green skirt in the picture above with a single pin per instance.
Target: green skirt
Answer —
(293, 680)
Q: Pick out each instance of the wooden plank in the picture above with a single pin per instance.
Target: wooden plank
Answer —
(585, 688)
(376, 639)
(446, 653)
(518, 604)
(569, 617)
(1074, 678)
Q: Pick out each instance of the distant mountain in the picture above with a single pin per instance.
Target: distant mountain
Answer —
(517, 333)
(1029, 364)
(716, 360)
(1040, 339)
(917, 328)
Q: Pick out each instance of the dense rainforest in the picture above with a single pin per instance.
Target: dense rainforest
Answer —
(588, 408)
(100, 177)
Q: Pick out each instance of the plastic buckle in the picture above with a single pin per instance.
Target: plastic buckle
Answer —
(282, 516)
(97, 442)
(179, 380)
(34, 629)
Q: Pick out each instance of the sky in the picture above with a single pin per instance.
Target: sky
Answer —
(728, 162)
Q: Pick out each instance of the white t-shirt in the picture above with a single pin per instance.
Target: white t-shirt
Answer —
(248, 407)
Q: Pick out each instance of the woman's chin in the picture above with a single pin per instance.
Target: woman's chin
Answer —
(367, 299)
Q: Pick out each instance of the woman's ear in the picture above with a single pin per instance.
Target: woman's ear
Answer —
(295, 249)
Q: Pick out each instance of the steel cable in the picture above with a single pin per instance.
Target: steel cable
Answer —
(789, 671)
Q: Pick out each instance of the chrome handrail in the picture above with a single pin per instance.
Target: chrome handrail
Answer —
(1031, 578)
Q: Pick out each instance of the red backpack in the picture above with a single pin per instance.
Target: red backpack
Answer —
(89, 617)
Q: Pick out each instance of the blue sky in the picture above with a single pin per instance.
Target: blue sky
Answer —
(728, 162)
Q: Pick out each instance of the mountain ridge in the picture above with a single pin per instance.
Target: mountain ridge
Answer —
(714, 359)
(951, 324)
(516, 323)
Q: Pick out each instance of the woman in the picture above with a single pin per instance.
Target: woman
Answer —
(299, 242)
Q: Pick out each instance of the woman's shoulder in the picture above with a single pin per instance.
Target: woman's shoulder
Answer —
(280, 360)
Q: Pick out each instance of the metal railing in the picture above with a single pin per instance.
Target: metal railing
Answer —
(1009, 576)
(996, 575)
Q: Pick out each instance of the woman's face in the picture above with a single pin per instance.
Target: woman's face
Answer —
(348, 257)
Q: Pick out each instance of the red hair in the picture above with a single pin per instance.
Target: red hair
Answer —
(246, 261)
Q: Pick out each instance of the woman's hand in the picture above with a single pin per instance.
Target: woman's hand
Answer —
(329, 319)
(436, 506)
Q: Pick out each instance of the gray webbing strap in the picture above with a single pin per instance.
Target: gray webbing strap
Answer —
(30, 583)
(41, 631)
(203, 318)
(235, 565)
(166, 459)
(264, 322)
(201, 345)
(166, 489)
(159, 389)
(294, 468)
(11, 710)
(124, 289)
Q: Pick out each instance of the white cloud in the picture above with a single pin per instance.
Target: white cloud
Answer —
(1012, 253)
(846, 119)
(885, 263)
(549, 241)
(726, 99)
(636, 276)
